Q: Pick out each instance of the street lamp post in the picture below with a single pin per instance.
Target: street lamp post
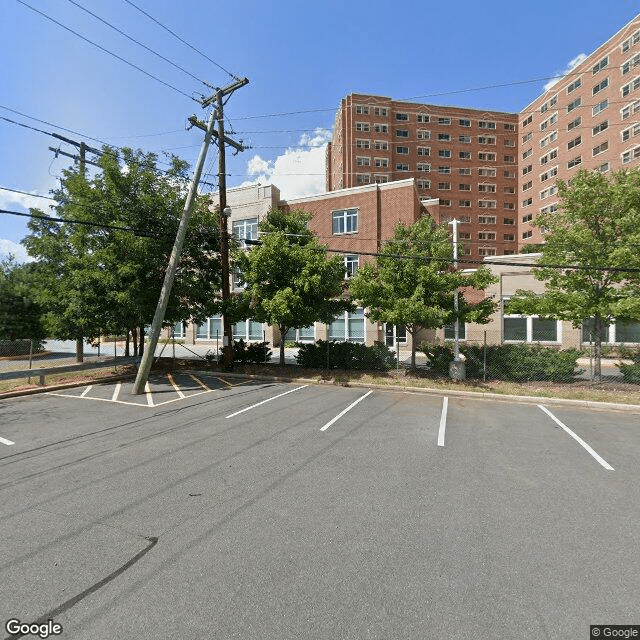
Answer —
(457, 367)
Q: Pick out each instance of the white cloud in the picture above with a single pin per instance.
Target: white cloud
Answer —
(573, 63)
(7, 247)
(299, 171)
(9, 198)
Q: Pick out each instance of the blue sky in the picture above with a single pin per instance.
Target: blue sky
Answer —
(301, 58)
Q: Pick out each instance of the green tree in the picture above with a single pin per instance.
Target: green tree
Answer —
(413, 284)
(100, 280)
(20, 315)
(596, 228)
(290, 282)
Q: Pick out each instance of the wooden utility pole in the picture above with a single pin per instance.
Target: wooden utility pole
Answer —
(154, 333)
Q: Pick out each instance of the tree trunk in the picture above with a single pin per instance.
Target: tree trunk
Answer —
(141, 345)
(413, 349)
(597, 365)
(134, 337)
(79, 349)
(126, 346)
(283, 331)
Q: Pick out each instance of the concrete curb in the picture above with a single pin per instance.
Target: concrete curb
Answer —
(60, 387)
(588, 404)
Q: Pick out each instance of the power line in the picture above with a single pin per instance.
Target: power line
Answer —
(144, 46)
(107, 51)
(175, 35)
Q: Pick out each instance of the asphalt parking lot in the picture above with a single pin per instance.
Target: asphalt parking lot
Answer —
(229, 508)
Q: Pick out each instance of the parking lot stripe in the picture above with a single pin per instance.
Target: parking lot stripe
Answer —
(147, 390)
(7, 442)
(578, 439)
(231, 415)
(116, 391)
(84, 393)
(443, 421)
(175, 386)
(202, 384)
(353, 404)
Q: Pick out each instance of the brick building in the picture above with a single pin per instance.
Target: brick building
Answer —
(464, 157)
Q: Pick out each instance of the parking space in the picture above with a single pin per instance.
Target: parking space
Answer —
(285, 503)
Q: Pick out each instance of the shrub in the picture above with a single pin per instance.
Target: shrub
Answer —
(631, 372)
(345, 355)
(517, 362)
(243, 353)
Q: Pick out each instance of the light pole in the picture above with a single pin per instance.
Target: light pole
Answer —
(457, 367)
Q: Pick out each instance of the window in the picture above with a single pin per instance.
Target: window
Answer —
(423, 134)
(509, 143)
(600, 107)
(508, 221)
(486, 251)
(601, 65)
(402, 116)
(464, 235)
(363, 126)
(549, 174)
(485, 124)
(510, 159)
(527, 202)
(424, 184)
(574, 123)
(444, 121)
(444, 169)
(403, 151)
(423, 118)
(464, 187)
(487, 188)
(508, 237)
(488, 172)
(601, 148)
(527, 218)
(630, 109)
(445, 137)
(247, 330)
(380, 177)
(519, 328)
(444, 153)
(380, 145)
(527, 234)
(464, 203)
(380, 111)
(362, 144)
(574, 143)
(574, 85)
(528, 152)
(632, 131)
(487, 157)
(509, 126)
(445, 203)
(381, 162)
(464, 122)
(509, 206)
(527, 121)
(634, 39)
(179, 329)
(350, 265)
(509, 174)
(600, 86)
(527, 169)
(444, 186)
(599, 128)
(574, 105)
(545, 193)
(402, 133)
(633, 154)
(363, 178)
(464, 171)
(246, 229)
(304, 334)
(363, 161)
(486, 219)
(489, 140)
(423, 167)
(631, 86)
(394, 334)
(527, 137)
(362, 109)
(424, 151)
(486, 235)
(348, 327)
(402, 166)
(486, 204)
(630, 64)
(527, 185)
(345, 221)
(464, 155)
(380, 128)
(603, 168)
(211, 329)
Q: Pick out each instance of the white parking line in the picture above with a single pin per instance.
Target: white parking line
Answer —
(443, 421)
(202, 384)
(175, 386)
(353, 404)
(578, 439)
(84, 393)
(116, 392)
(7, 442)
(231, 415)
(147, 390)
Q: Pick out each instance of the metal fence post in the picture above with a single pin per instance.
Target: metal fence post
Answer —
(30, 356)
(484, 363)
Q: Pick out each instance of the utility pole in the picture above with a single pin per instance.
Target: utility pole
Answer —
(154, 334)
(83, 148)
(457, 369)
